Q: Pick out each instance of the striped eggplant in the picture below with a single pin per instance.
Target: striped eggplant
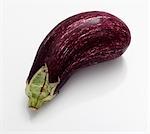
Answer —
(81, 40)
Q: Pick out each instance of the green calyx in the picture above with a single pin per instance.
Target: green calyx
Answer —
(39, 90)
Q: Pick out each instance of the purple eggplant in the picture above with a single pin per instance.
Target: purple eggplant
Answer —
(81, 40)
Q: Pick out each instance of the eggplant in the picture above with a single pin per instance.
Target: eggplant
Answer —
(79, 41)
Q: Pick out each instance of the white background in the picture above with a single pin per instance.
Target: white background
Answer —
(110, 97)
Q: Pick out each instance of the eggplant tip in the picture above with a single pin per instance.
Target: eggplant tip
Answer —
(33, 108)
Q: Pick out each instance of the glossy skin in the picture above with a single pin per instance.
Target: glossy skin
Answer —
(79, 41)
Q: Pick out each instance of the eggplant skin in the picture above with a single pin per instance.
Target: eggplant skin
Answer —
(81, 40)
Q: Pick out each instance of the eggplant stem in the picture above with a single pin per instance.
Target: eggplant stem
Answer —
(39, 90)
